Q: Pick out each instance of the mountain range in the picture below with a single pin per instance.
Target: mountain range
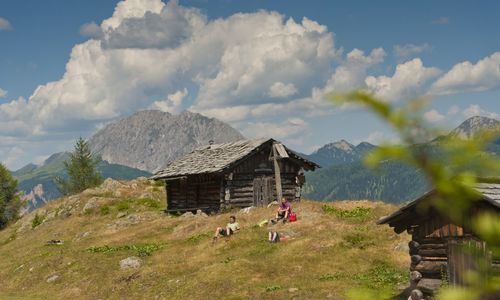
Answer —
(131, 147)
(148, 140)
(392, 182)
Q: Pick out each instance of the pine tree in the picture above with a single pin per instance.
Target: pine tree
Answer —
(10, 202)
(81, 169)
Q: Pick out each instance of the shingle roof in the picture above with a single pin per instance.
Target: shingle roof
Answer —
(489, 191)
(216, 158)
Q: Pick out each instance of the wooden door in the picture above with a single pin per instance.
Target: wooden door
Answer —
(262, 190)
(464, 256)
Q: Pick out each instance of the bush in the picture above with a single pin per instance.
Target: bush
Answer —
(37, 220)
(105, 210)
(358, 212)
(10, 202)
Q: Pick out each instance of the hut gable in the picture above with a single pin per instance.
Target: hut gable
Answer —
(220, 157)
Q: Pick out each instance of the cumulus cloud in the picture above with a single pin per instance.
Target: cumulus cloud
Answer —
(409, 79)
(281, 90)
(91, 30)
(3, 93)
(476, 110)
(173, 102)
(469, 77)
(351, 72)
(409, 50)
(5, 24)
(433, 116)
(149, 48)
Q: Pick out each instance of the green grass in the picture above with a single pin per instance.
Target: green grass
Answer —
(355, 213)
(140, 250)
(326, 255)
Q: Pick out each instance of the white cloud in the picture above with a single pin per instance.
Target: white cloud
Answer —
(286, 129)
(468, 77)
(281, 90)
(379, 137)
(5, 24)
(409, 80)
(441, 21)
(352, 71)
(410, 50)
(91, 30)
(433, 116)
(149, 48)
(476, 110)
(173, 102)
(3, 93)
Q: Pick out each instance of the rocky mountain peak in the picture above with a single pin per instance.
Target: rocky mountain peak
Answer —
(149, 139)
(470, 127)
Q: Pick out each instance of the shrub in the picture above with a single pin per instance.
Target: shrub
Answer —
(357, 212)
(272, 288)
(105, 210)
(37, 220)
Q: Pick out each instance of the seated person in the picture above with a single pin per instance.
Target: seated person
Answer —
(230, 229)
(284, 210)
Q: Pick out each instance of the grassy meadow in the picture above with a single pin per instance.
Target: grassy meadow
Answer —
(332, 251)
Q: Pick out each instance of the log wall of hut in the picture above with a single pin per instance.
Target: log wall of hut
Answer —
(194, 191)
(437, 254)
(253, 179)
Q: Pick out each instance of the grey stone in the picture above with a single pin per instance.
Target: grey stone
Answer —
(293, 290)
(52, 278)
(187, 215)
(121, 214)
(247, 210)
(132, 262)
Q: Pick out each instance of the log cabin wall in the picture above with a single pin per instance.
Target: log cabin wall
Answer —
(437, 255)
(253, 179)
(195, 191)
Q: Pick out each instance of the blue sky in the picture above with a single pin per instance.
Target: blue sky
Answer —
(241, 61)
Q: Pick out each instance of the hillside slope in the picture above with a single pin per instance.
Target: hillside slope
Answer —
(37, 182)
(327, 255)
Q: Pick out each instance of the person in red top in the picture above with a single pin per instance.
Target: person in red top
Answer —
(284, 209)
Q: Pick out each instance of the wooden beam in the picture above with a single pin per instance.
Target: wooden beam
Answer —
(277, 173)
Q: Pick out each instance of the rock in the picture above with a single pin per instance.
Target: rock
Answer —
(121, 214)
(52, 278)
(91, 205)
(31, 269)
(200, 213)
(130, 262)
(187, 215)
(402, 247)
(247, 210)
(110, 185)
(50, 216)
(416, 295)
(293, 290)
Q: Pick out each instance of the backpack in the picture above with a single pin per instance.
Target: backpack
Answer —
(292, 217)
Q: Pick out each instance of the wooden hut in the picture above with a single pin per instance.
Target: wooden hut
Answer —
(238, 174)
(440, 250)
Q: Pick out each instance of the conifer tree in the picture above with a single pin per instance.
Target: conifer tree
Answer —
(81, 169)
(10, 202)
